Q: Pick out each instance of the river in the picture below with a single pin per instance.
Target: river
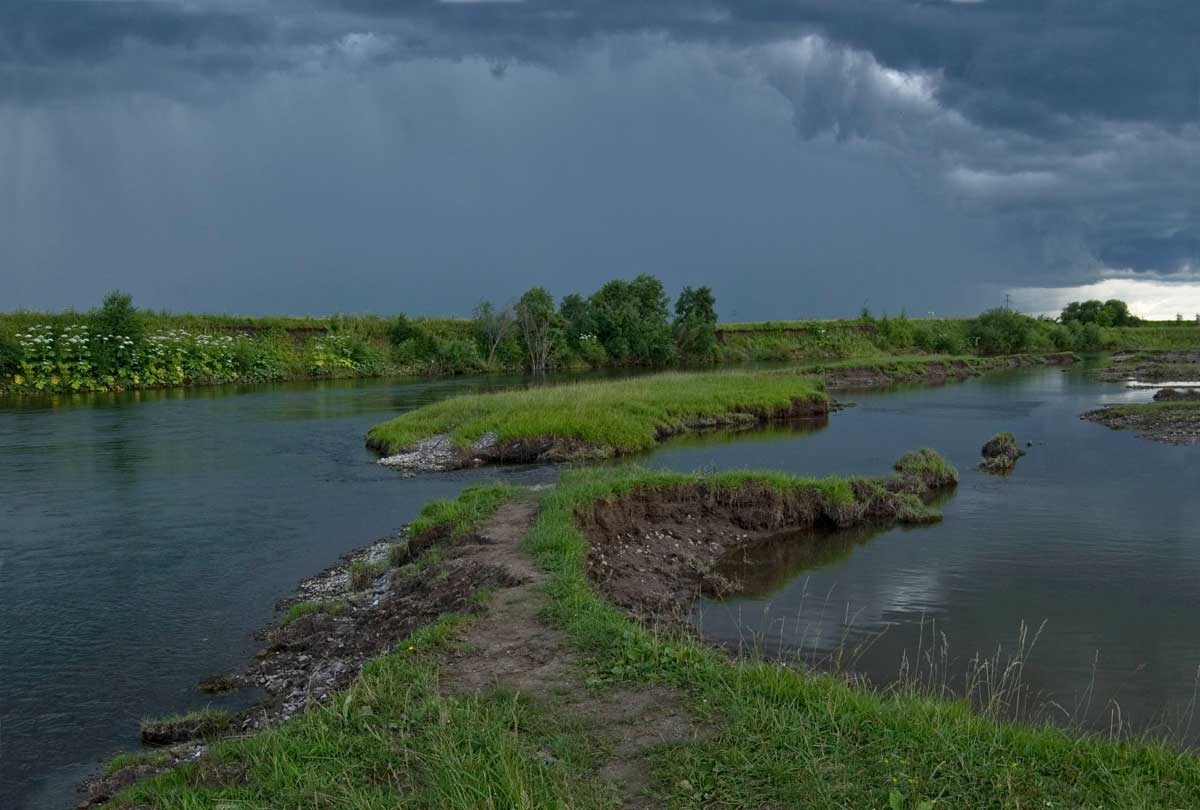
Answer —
(144, 538)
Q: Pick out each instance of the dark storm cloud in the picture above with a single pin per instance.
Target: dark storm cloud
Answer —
(1074, 123)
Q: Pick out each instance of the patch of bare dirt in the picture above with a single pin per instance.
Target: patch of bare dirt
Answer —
(654, 551)
(512, 647)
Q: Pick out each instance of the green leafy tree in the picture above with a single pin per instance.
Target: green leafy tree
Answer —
(540, 327)
(632, 321)
(1112, 312)
(695, 324)
(493, 326)
(577, 318)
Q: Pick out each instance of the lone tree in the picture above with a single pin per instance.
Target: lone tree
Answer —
(494, 325)
(540, 331)
(695, 324)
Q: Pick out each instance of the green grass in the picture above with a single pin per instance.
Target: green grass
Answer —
(131, 759)
(1152, 337)
(620, 416)
(363, 573)
(333, 607)
(929, 466)
(455, 517)
(393, 741)
(786, 738)
(201, 722)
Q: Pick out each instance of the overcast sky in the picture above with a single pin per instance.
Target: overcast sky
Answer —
(802, 158)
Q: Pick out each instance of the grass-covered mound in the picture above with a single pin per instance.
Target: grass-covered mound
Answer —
(594, 419)
(1000, 453)
(783, 737)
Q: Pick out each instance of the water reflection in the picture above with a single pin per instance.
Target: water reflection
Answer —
(1094, 535)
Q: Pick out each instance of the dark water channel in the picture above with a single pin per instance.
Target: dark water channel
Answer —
(144, 538)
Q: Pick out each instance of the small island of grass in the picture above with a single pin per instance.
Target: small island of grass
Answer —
(590, 420)
(1173, 422)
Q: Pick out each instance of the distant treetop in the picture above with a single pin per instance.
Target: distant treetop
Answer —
(1112, 312)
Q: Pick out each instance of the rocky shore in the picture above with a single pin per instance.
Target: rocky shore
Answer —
(382, 593)
(1152, 367)
(1173, 422)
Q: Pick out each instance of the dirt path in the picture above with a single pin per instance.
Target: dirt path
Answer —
(512, 647)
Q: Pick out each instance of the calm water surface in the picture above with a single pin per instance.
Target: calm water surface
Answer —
(145, 537)
(143, 540)
(1095, 539)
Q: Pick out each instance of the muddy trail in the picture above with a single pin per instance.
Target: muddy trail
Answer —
(512, 647)
(509, 646)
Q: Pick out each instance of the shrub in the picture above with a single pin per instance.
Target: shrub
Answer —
(455, 356)
(402, 329)
(1084, 337)
(258, 360)
(10, 355)
(591, 351)
(893, 333)
(1001, 331)
(936, 339)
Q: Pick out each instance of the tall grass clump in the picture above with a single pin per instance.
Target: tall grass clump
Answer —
(620, 416)
(454, 517)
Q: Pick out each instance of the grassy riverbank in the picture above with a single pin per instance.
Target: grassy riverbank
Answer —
(118, 347)
(599, 419)
(789, 738)
(773, 735)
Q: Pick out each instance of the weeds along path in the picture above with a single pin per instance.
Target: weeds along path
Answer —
(513, 648)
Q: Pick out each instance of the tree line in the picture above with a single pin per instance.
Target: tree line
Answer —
(622, 323)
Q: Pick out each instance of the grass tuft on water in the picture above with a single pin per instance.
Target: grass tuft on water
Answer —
(618, 416)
